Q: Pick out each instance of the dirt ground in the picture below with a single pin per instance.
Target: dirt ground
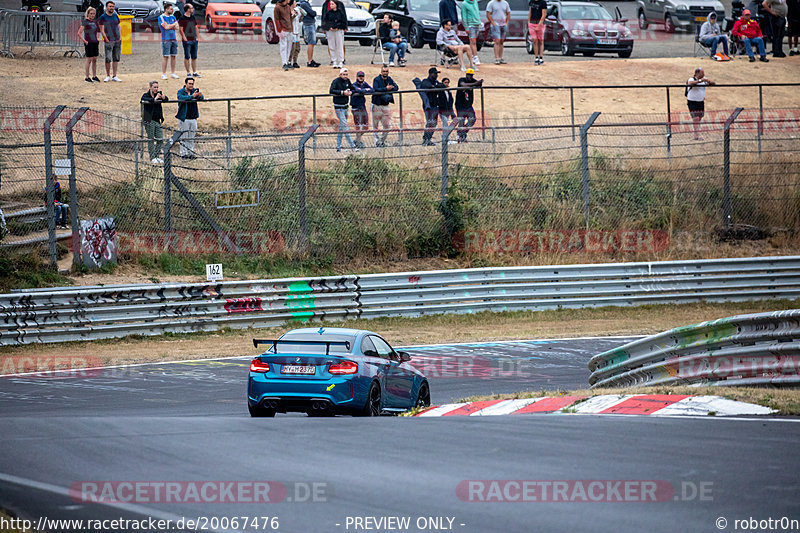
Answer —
(404, 332)
(51, 81)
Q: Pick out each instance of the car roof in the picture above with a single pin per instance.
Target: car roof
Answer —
(579, 3)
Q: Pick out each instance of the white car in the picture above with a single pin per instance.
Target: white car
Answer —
(360, 24)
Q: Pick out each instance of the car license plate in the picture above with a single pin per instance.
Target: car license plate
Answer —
(138, 21)
(239, 21)
(606, 41)
(297, 369)
(700, 19)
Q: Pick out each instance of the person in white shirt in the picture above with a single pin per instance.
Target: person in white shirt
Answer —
(695, 98)
(498, 12)
(446, 36)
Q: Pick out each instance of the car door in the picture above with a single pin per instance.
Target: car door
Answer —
(399, 379)
(552, 35)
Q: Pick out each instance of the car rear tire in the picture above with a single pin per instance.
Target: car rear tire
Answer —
(415, 36)
(566, 47)
(625, 54)
(271, 34)
(372, 407)
(210, 26)
(643, 25)
(669, 26)
(256, 411)
(424, 396)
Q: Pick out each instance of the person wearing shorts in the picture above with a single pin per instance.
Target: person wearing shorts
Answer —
(471, 18)
(499, 14)
(695, 98)
(112, 40)
(88, 33)
(169, 40)
(188, 28)
(309, 31)
(537, 11)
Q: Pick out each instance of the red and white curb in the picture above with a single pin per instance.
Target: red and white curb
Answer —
(630, 404)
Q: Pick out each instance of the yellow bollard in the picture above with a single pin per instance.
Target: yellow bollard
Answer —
(126, 30)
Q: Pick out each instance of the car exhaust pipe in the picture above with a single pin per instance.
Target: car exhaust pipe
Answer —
(272, 404)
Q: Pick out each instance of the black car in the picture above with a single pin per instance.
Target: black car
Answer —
(419, 19)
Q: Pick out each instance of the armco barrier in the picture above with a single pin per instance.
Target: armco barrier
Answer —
(86, 313)
(756, 349)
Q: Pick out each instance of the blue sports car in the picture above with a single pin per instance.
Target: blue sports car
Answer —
(328, 371)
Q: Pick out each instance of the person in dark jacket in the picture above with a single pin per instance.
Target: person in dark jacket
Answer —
(464, 101)
(430, 103)
(153, 117)
(358, 103)
(446, 105)
(334, 23)
(448, 11)
(188, 95)
(341, 89)
(382, 88)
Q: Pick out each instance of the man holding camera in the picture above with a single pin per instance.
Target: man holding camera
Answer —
(153, 117)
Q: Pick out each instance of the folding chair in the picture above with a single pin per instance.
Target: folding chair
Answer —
(445, 57)
(378, 46)
(700, 49)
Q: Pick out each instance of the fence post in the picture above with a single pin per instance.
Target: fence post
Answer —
(726, 168)
(228, 140)
(760, 116)
(50, 186)
(314, 122)
(483, 118)
(447, 129)
(168, 187)
(585, 164)
(400, 133)
(73, 188)
(669, 125)
(301, 186)
(572, 112)
(139, 144)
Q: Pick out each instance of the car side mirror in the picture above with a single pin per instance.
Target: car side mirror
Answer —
(404, 357)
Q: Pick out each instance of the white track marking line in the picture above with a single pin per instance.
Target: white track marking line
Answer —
(443, 409)
(505, 407)
(595, 404)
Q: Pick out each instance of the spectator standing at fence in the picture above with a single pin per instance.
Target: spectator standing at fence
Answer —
(188, 28)
(777, 10)
(447, 37)
(471, 19)
(283, 25)
(297, 30)
(358, 103)
(169, 26)
(711, 35)
(112, 39)
(382, 88)
(430, 103)
(153, 117)
(309, 31)
(793, 18)
(465, 99)
(537, 12)
(695, 98)
(448, 11)
(89, 33)
(334, 23)
(749, 32)
(59, 208)
(187, 116)
(499, 14)
(341, 89)
(446, 111)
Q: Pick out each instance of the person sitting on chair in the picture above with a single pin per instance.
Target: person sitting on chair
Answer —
(396, 38)
(749, 32)
(447, 39)
(711, 36)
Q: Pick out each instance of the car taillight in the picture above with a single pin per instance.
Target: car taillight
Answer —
(345, 367)
(257, 365)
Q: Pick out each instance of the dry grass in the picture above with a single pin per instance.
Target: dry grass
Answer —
(785, 401)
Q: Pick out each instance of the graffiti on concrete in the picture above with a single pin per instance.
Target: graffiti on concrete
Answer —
(99, 242)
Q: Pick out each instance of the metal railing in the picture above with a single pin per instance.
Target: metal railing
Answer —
(31, 29)
(756, 349)
(72, 314)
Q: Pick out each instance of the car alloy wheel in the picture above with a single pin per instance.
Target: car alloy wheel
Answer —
(669, 26)
(566, 49)
(415, 36)
(210, 26)
(642, 21)
(424, 396)
(373, 404)
(271, 35)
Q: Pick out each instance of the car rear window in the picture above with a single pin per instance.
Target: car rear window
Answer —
(317, 348)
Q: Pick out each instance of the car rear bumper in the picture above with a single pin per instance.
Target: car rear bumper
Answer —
(233, 23)
(301, 395)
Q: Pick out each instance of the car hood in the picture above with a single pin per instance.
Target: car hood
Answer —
(357, 14)
(226, 6)
(137, 4)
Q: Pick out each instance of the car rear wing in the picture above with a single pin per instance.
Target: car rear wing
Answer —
(274, 343)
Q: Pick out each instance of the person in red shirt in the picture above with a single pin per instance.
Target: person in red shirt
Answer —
(749, 32)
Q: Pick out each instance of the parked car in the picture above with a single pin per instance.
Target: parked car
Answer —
(144, 12)
(517, 26)
(236, 15)
(419, 21)
(584, 27)
(677, 14)
(330, 371)
(360, 24)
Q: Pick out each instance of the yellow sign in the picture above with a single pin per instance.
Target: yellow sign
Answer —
(126, 31)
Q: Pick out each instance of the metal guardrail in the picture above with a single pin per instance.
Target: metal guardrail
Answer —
(71, 314)
(41, 28)
(756, 349)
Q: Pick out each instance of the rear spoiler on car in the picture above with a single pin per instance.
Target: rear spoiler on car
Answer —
(328, 344)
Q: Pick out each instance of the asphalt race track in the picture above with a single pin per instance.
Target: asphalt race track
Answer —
(187, 422)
